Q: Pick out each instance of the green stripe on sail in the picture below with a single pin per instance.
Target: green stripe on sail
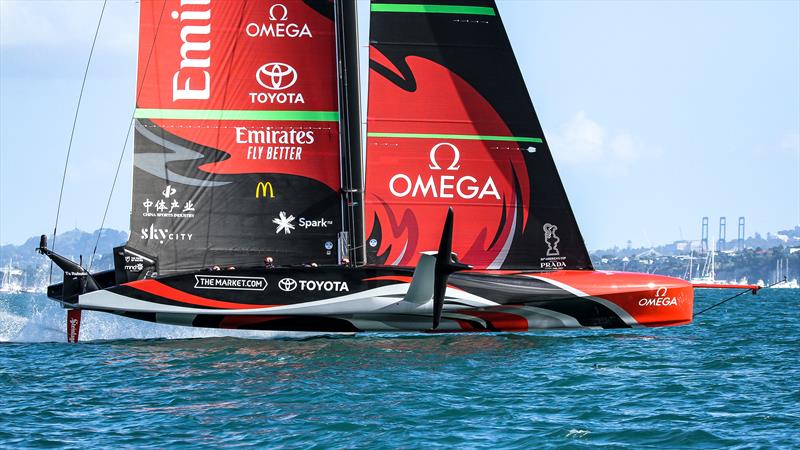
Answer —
(432, 9)
(223, 114)
(470, 137)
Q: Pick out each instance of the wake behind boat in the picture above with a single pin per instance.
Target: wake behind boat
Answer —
(248, 145)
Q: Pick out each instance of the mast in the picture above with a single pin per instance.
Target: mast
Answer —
(346, 18)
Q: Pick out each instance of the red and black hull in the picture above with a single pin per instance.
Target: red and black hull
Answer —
(345, 299)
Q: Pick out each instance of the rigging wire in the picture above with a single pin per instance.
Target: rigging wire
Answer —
(72, 133)
(127, 137)
(737, 295)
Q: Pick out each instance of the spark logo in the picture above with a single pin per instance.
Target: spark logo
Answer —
(284, 223)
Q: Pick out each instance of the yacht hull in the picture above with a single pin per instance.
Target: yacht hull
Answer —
(375, 298)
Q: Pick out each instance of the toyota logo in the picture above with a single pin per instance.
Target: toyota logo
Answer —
(276, 76)
(287, 284)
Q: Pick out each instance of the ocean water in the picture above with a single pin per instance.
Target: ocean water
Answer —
(729, 380)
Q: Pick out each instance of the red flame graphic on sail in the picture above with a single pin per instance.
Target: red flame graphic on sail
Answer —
(433, 143)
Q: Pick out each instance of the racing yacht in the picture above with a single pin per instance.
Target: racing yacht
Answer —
(446, 215)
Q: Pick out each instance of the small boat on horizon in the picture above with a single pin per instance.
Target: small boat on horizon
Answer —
(11, 283)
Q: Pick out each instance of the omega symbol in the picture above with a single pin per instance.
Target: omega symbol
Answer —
(456, 157)
(282, 9)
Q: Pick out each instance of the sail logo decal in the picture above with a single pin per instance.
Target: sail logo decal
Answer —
(283, 12)
(163, 235)
(261, 189)
(168, 206)
(133, 263)
(290, 284)
(192, 80)
(551, 239)
(278, 144)
(286, 224)
(553, 258)
(278, 25)
(287, 284)
(276, 77)
(168, 191)
(232, 283)
(661, 299)
(440, 184)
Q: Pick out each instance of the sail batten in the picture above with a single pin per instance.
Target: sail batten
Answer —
(470, 137)
(432, 9)
(231, 114)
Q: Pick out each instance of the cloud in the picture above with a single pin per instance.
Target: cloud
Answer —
(582, 142)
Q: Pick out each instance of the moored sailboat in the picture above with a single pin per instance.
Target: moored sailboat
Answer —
(248, 145)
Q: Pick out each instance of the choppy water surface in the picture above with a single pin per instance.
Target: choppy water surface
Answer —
(731, 379)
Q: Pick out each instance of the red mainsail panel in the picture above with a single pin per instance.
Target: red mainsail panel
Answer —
(450, 123)
(236, 115)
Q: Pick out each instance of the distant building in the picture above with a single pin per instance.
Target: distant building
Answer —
(682, 246)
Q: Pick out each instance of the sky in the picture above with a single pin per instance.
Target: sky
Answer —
(658, 113)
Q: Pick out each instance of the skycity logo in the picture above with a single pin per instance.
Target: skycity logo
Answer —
(441, 185)
(279, 25)
(276, 77)
(163, 235)
(195, 53)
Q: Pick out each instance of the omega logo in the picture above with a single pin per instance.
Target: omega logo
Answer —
(282, 9)
(443, 186)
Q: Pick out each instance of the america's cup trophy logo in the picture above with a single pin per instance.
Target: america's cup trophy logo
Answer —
(551, 239)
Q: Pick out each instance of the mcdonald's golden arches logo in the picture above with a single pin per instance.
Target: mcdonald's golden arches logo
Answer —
(261, 189)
